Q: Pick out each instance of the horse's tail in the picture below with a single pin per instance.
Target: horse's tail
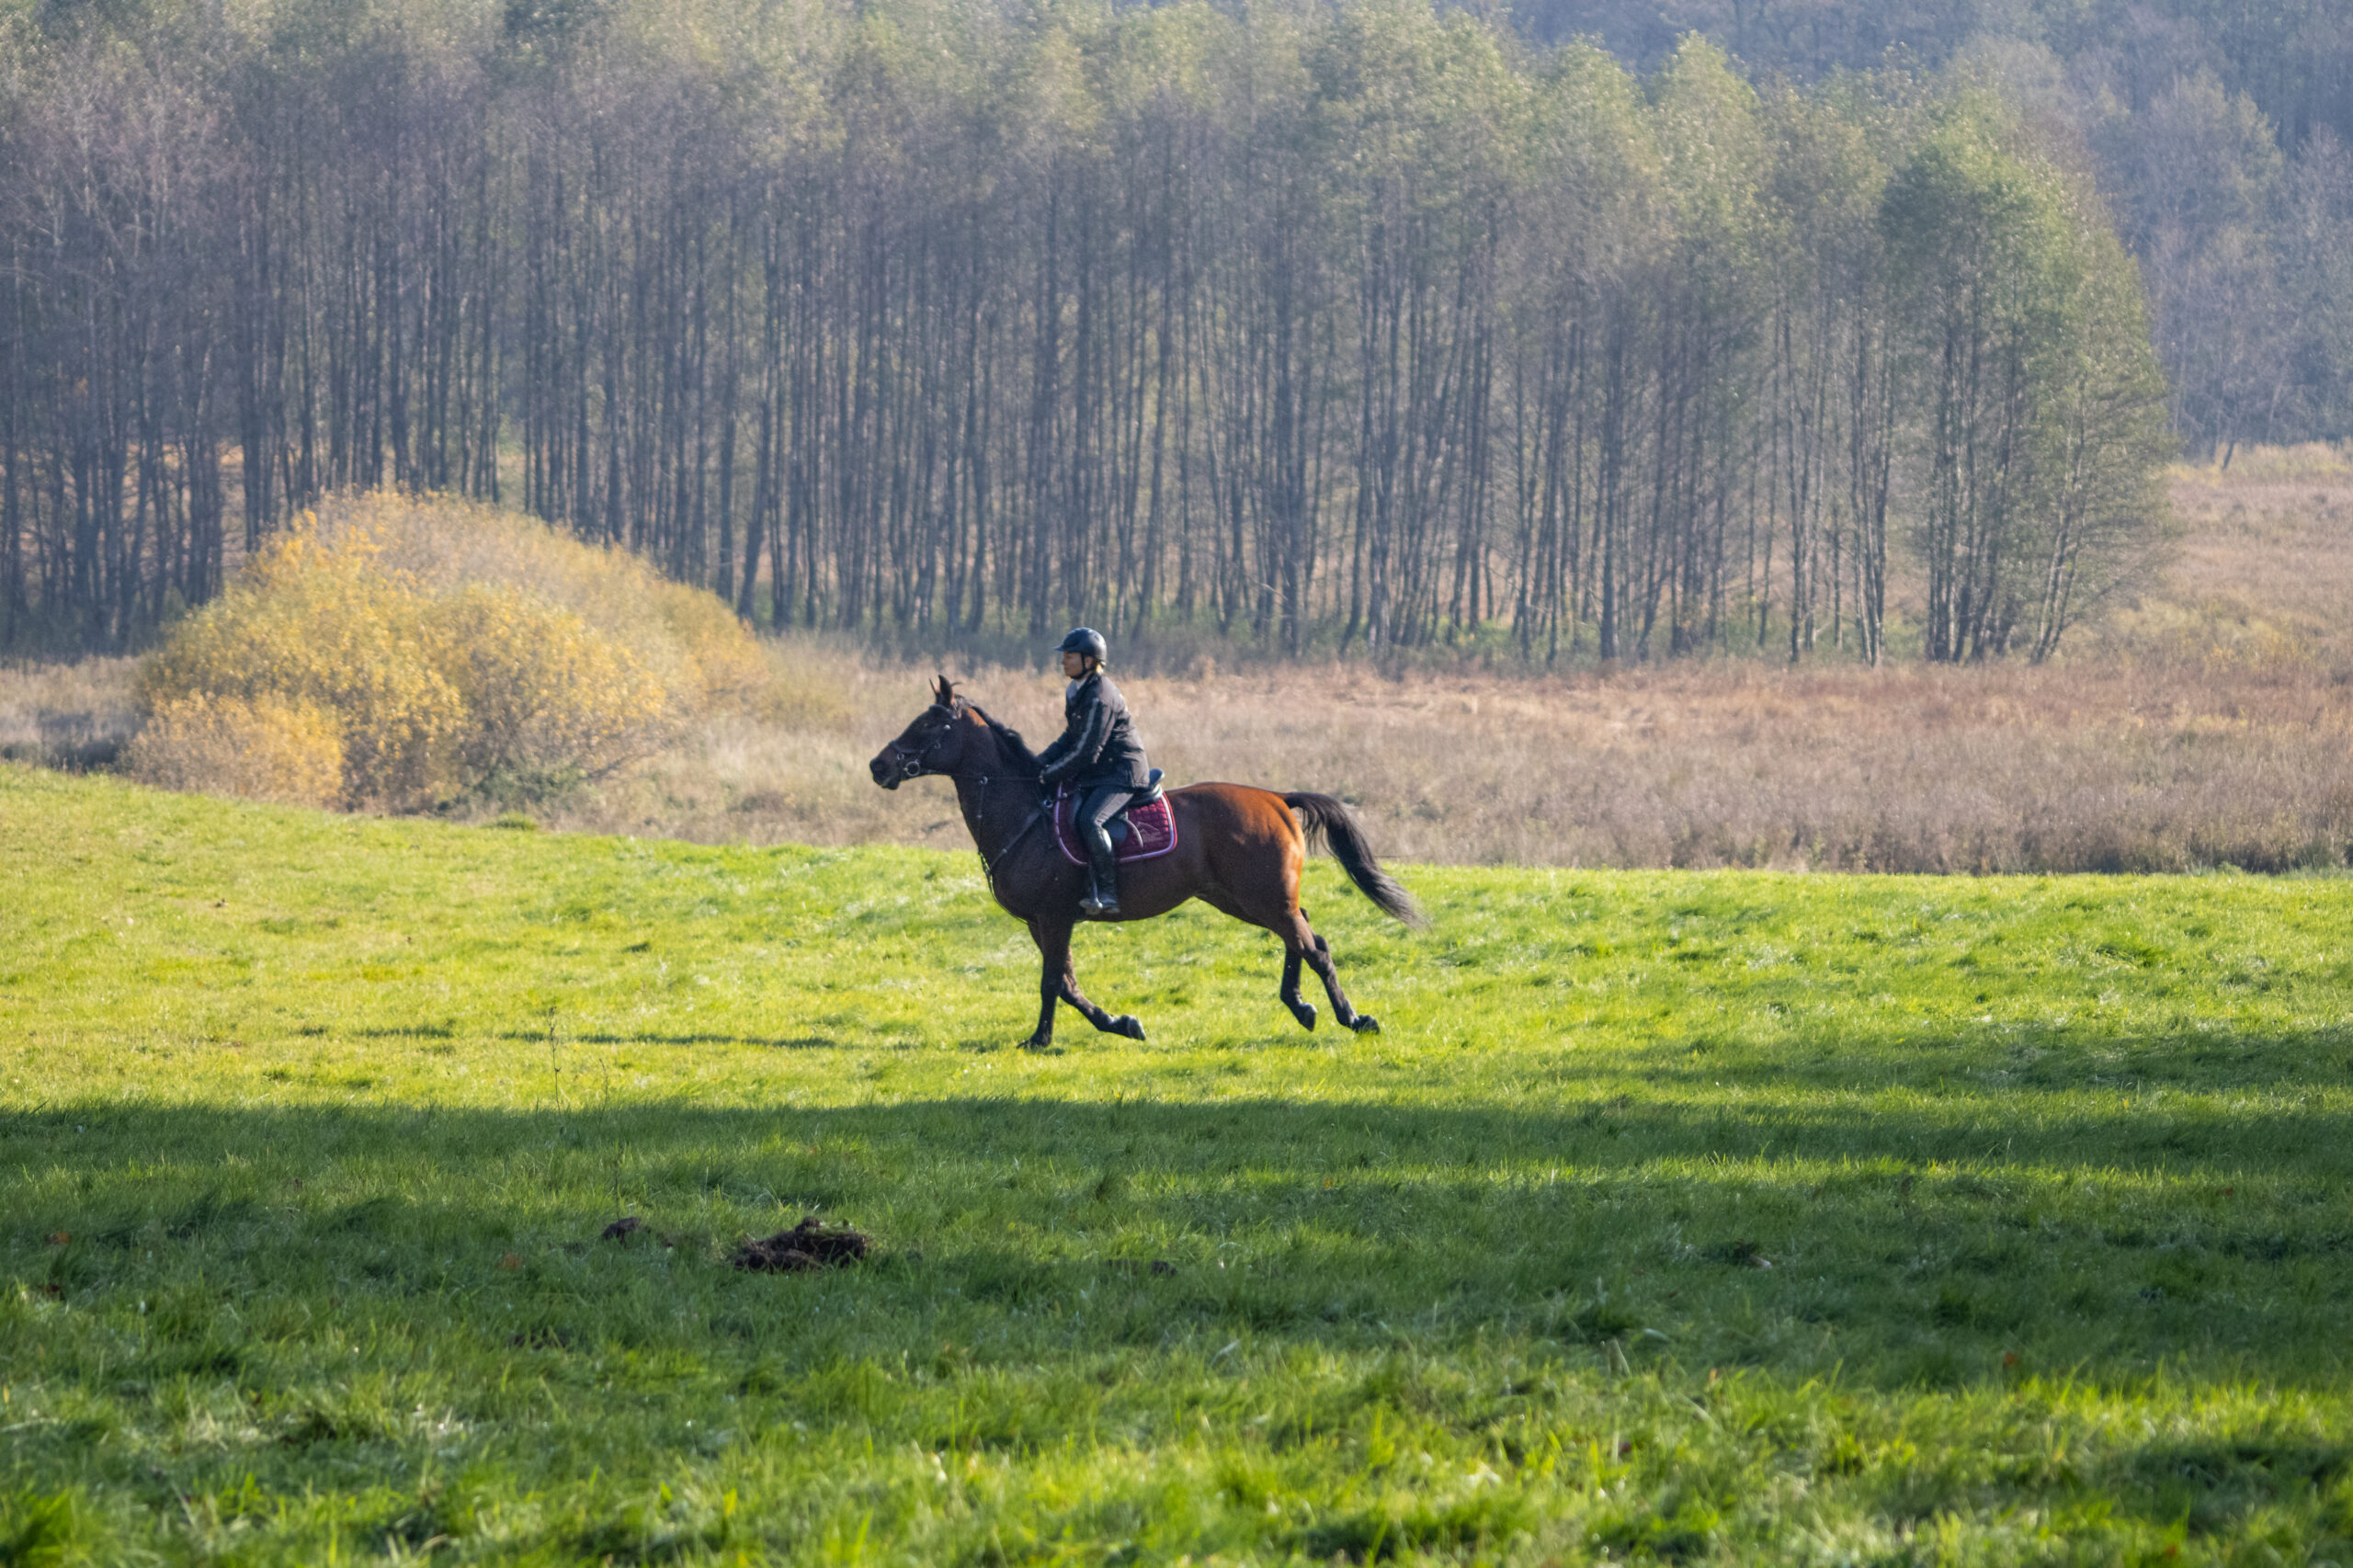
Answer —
(1328, 824)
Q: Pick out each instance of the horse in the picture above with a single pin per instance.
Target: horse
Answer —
(1238, 849)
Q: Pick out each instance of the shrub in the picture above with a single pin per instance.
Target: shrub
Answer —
(729, 670)
(265, 749)
(686, 639)
(448, 644)
(328, 627)
(542, 691)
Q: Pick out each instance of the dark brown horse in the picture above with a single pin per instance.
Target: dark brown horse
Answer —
(1239, 850)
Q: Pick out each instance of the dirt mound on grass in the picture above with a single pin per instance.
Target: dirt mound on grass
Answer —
(809, 1244)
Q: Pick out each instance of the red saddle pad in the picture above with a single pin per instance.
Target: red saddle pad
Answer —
(1152, 829)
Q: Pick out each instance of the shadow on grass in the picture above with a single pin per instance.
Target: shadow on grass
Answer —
(1933, 1246)
(1051, 1268)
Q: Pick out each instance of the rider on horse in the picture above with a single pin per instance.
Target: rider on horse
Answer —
(1098, 756)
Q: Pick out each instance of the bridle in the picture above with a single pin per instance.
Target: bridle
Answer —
(917, 764)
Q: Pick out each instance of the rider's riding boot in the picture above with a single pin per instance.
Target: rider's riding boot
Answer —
(1102, 894)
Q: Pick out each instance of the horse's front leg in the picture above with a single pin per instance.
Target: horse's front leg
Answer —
(1057, 982)
(1053, 964)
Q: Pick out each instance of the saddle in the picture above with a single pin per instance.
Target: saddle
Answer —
(1144, 828)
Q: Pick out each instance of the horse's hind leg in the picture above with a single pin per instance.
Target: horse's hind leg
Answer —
(1297, 946)
(1057, 983)
(1302, 945)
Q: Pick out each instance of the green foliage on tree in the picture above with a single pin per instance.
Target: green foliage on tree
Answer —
(2025, 348)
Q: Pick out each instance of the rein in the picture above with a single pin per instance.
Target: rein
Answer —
(989, 865)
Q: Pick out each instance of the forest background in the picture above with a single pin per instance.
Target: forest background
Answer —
(1292, 328)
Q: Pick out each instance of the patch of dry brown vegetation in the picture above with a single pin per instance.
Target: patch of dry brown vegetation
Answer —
(2211, 724)
(2115, 767)
(2264, 571)
(67, 715)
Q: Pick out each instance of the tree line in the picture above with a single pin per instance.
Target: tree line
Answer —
(1358, 325)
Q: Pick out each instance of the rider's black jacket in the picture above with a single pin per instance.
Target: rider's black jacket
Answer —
(1098, 745)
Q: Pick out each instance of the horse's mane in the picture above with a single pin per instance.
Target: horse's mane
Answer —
(1008, 740)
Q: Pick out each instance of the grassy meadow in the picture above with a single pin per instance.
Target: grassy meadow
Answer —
(1703, 1217)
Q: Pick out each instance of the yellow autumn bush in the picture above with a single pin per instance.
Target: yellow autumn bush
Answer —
(263, 750)
(729, 667)
(450, 644)
(542, 692)
(325, 626)
(688, 638)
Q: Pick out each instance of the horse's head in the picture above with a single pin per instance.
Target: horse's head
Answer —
(935, 743)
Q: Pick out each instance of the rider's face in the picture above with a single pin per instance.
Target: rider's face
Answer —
(1073, 666)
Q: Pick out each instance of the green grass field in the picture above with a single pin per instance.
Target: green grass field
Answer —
(1705, 1217)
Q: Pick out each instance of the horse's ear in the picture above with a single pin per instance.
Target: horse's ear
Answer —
(943, 691)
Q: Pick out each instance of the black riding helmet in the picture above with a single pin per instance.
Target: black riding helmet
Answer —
(1085, 639)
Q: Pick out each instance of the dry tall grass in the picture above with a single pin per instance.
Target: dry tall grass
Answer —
(2115, 768)
(72, 716)
(2213, 725)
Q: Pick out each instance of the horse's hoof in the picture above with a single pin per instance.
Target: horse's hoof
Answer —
(1039, 1042)
(1305, 1013)
(1365, 1023)
(1128, 1025)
